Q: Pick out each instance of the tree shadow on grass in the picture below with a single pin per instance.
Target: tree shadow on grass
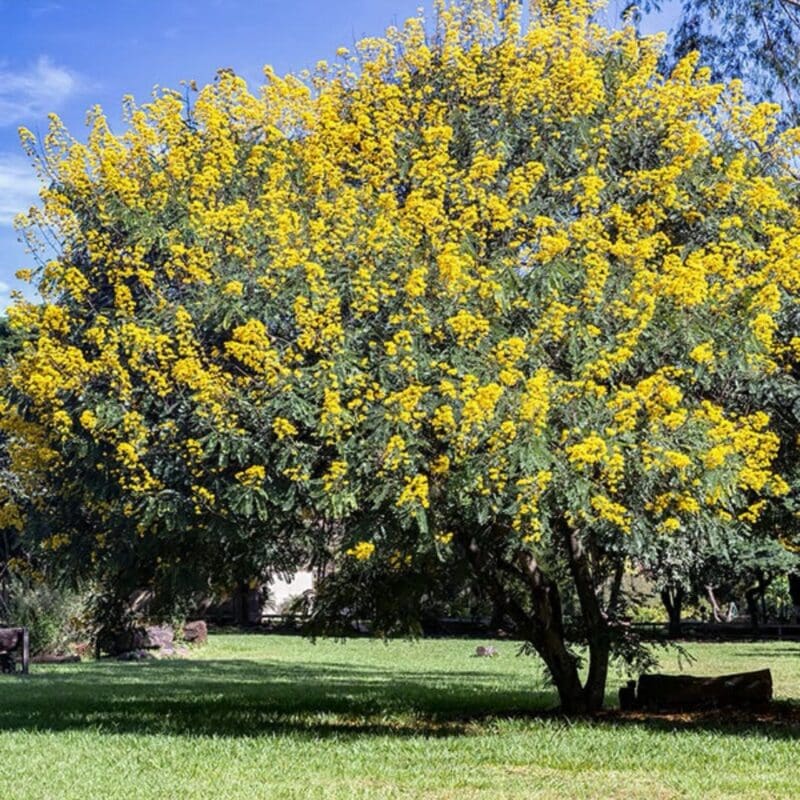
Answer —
(240, 698)
(777, 720)
(245, 698)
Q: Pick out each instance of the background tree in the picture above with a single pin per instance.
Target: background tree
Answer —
(756, 40)
(473, 306)
(736, 565)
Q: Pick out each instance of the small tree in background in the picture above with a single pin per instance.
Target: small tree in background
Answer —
(476, 304)
(757, 40)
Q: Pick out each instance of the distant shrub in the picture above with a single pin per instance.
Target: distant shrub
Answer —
(648, 613)
(53, 615)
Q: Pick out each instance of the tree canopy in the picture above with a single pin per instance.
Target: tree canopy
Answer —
(484, 301)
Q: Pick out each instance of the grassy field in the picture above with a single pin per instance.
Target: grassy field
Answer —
(279, 717)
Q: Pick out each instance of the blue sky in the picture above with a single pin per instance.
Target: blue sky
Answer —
(68, 56)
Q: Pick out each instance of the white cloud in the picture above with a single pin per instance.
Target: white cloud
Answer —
(35, 91)
(4, 288)
(19, 186)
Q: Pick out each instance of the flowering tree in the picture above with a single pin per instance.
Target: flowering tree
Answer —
(474, 303)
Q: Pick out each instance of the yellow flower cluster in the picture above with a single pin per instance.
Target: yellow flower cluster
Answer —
(415, 492)
(253, 477)
(362, 551)
(283, 428)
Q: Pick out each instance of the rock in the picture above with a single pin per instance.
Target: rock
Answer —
(158, 637)
(135, 655)
(116, 642)
(152, 637)
(195, 632)
(486, 651)
(10, 638)
(83, 649)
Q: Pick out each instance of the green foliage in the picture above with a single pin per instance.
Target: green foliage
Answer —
(7, 340)
(55, 616)
(649, 612)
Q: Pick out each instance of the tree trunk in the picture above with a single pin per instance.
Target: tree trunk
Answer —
(615, 594)
(715, 612)
(595, 621)
(540, 621)
(672, 598)
(544, 629)
(763, 585)
(4, 591)
(563, 668)
(751, 595)
(240, 604)
(794, 587)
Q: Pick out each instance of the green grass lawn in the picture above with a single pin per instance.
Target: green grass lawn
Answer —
(279, 717)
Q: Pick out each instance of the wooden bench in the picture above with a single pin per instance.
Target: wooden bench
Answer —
(14, 648)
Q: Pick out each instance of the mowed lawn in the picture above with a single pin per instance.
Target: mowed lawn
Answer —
(280, 717)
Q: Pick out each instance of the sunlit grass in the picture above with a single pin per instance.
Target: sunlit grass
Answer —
(279, 717)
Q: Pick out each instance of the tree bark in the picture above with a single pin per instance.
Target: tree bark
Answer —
(672, 598)
(595, 621)
(663, 692)
(715, 612)
(540, 620)
(544, 627)
(240, 604)
(615, 594)
(752, 596)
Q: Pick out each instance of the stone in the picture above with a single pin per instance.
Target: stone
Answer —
(10, 638)
(158, 637)
(83, 649)
(135, 655)
(116, 642)
(195, 632)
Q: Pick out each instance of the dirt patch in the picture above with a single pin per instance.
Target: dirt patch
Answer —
(784, 714)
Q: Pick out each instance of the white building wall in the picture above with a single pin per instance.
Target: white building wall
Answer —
(280, 591)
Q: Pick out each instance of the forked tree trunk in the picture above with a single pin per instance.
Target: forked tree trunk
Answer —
(715, 610)
(540, 620)
(547, 634)
(545, 631)
(595, 621)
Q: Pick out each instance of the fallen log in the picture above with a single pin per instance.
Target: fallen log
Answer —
(688, 692)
